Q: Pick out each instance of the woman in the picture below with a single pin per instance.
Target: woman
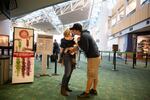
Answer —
(67, 55)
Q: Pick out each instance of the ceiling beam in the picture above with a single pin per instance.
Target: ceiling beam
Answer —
(28, 6)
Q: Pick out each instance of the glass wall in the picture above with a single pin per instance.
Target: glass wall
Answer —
(121, 13)
(144, 1)
(114, 21)
(130, 7)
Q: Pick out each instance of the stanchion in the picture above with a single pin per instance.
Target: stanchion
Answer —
(134, 60)
(78, 59)
(109, 56)
(101, 55)
(2, 51)
(146, 60)
(55, 70)
(79, 55)
(48, 61)
(126, 57)
(114, 61)
(40, 57)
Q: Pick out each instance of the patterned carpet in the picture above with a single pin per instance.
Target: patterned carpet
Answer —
(124, 84)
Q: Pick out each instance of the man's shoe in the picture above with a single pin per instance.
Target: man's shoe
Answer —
(84, 95)
(93, 92)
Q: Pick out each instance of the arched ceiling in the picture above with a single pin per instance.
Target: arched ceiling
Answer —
(54, 18)
(55, 15)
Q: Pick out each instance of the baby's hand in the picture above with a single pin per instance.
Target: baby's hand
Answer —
(72, 49)
(78, 39)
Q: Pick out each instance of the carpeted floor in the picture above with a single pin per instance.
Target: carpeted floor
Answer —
(124, 84)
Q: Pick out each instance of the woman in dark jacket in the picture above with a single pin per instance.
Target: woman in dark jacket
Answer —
(68, 57)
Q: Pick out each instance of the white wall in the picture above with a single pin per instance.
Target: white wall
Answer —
(58, 38)
(122, 43)
(100, 30)
(5, 27)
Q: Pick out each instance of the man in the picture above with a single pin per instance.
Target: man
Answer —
(56, 51)
(56, 48)
(89, 47)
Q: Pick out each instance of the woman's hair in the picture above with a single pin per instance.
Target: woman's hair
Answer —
(67, 32)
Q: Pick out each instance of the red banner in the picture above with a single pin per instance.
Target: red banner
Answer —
(23, 54)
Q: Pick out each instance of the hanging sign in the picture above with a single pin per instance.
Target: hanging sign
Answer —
(23, 55)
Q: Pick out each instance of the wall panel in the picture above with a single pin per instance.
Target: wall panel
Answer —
(139, 15)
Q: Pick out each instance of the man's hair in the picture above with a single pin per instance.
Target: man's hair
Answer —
(76, 26)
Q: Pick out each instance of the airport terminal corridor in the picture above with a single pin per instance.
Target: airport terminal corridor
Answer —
(106, 41)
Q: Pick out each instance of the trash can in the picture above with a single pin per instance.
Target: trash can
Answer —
(4, 69)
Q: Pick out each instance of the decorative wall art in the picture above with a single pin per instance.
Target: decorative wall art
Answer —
(23, 55)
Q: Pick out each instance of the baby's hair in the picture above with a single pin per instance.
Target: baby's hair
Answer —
(67, 32)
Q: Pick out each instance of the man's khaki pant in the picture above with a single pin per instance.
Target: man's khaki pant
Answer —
(92, 67)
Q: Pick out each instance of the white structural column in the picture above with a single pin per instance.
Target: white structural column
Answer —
(99, 24)
(5, 27)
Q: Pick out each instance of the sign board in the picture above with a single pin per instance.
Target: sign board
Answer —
(44, 44)
(4, 40)
(23, 55)
(115, 47)
(44, 47)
